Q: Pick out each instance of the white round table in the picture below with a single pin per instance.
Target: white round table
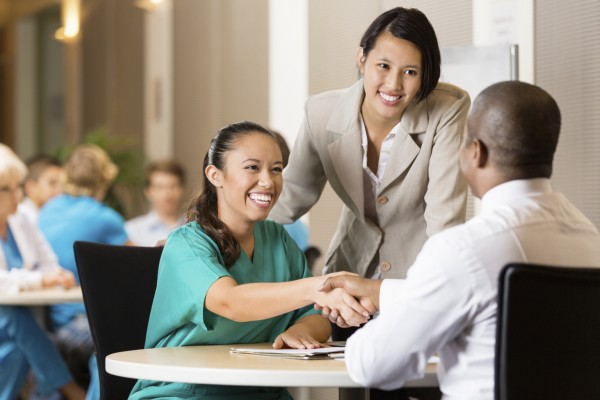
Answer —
(42, 297)
(216, 365)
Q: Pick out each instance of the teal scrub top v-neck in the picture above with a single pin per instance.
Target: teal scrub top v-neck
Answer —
(191, 262)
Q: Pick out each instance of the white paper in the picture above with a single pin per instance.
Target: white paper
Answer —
(321, 351)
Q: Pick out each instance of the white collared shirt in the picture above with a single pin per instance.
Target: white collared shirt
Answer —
(28, 208)
(148, 229)
(371, 182)
(36, 253)
(447, 303)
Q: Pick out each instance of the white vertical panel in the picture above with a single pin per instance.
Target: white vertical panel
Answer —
(158, 82)
(288, 65)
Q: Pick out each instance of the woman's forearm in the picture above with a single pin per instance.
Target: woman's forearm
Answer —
(256, 301)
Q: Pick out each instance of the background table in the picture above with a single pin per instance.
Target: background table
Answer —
(216, 365)
(40, 297)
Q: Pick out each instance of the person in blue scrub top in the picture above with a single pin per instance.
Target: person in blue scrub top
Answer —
(26, 262)
(231, 276)
(79, 214)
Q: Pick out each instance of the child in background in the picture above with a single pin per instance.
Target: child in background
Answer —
(44, 180)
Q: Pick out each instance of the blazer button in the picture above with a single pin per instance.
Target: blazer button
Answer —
(382, 199)
(385, 266)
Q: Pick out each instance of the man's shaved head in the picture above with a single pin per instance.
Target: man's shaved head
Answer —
(519, 124)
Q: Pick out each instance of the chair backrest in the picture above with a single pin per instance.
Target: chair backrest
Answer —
(118, 285)
(312, 253)
(548, 333)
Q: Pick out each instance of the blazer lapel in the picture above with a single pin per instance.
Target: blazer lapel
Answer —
(405, 148)
(346, 150)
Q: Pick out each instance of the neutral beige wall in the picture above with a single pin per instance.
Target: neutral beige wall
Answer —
(220, 72)
(113, 69)
(567, 55)
(452, 20)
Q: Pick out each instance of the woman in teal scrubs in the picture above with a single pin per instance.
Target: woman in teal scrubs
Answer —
(230, 276)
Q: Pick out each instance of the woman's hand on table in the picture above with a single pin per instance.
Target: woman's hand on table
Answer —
(59, 277)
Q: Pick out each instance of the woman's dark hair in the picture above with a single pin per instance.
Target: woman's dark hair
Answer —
(412, 25)
(204, 208)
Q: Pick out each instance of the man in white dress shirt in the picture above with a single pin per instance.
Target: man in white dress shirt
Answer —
(447, 303)
(165, 188)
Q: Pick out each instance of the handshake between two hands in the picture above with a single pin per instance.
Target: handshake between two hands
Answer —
(347, 299)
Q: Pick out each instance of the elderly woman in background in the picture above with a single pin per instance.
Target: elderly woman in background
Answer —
(79, 214)
(26, 262)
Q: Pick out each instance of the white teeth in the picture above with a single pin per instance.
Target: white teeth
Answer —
(261, 198)
(387, 97)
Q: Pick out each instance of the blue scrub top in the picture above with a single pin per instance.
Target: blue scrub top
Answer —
(11, 250)
(65, 219)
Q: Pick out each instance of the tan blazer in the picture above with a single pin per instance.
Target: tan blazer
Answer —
(422, 190)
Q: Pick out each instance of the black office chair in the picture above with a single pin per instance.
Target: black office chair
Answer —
(548, 333)
(118, 284)
(312, 253)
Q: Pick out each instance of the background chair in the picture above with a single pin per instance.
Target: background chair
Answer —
(312, 253)
(118, 284)
(548, 333)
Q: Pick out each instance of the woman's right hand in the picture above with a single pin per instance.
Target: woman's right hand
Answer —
(365, 291)
(341, 304)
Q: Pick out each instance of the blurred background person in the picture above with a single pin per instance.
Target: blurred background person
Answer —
(26, 262)
(165, 189)
(297, 229)
(44, 180)
(79, 214)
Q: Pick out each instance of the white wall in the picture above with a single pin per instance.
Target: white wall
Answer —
(507, 22)
(158, 82)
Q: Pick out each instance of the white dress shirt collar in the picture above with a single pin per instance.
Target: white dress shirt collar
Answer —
(510, 190)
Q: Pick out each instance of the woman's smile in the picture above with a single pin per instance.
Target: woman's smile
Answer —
(262, 200)
(389, 99)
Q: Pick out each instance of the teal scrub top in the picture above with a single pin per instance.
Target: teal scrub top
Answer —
(191, 262)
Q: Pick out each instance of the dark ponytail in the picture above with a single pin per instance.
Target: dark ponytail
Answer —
(204, 208)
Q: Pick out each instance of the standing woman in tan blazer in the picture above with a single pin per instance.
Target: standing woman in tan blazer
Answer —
(388, 145)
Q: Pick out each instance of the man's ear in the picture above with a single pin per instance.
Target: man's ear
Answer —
(481, 153)
(214, 175)
(360, 59)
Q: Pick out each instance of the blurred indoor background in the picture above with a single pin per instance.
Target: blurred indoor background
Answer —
(153, 79)
(156, 79)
